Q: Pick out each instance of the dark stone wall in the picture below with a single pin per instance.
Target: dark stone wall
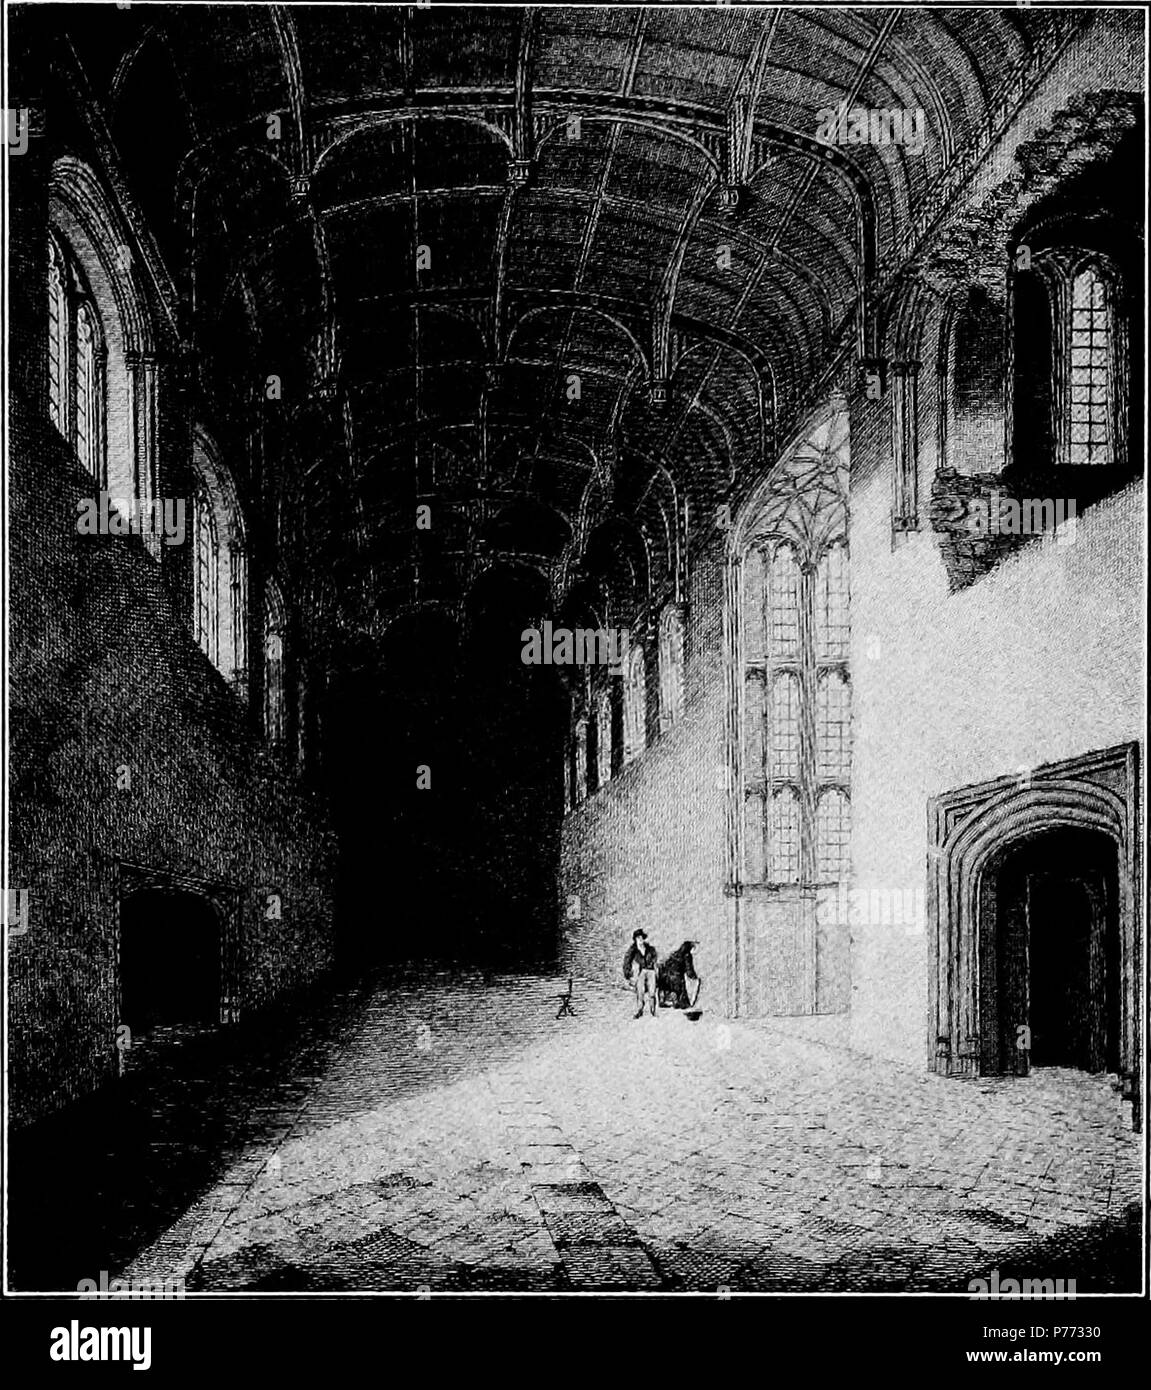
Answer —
(104, 676)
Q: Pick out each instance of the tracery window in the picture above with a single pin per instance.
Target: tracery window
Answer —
(603, 740)
(76, 358)
(795, 695)
(58, 333)
(670, 667)
(206, 540)
(220, 571)
(581, 761)
(635, 705)
(275, 636)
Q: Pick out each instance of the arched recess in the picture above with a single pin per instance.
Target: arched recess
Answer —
(220, 565)
(182, 965)
(275, 657)
(84, 218)
(967, 827)
(976, 367)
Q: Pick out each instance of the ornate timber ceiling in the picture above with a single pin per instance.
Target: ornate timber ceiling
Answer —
(630, 196)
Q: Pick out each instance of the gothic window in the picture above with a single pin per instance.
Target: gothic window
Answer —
(635, 705)
(1090, 371)
(87, 390)
(1071, 378)
(795, 696)
(581, 761)
(275, 637)
(206, 541)
(58, 377)
(76, 358)
(603, 740)
(220, 588)
(670, 667)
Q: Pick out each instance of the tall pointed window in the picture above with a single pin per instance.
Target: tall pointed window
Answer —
(603, 741)
(1073, 324)
(794, 705)
(635, 705)
(87, 390)
(275, 636)
(76, 358)
(1091, 371)
(59, 388)
(580, 760)
(774, 699)
(206, 541)
(796, 714)
(220, 590)
(670, 667)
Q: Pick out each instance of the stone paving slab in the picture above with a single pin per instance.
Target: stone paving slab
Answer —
(461, 1136)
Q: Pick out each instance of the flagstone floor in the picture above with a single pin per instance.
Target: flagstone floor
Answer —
(453, 1134)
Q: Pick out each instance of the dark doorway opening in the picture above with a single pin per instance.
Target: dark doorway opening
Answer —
(1049, 954)
(169, 959)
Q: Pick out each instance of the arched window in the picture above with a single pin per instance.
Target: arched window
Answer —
(795, 698)
(603, 741)
(670, 666)
(1091, 371)
(635, 706)
(102, 347)
(76, 357)
(275, 687)
(59, 387)
(87, 391)
(206, 540)
(1071, 349)
(220, 597)
(580, 760)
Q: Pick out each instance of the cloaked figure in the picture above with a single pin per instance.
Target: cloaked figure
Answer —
(677, 981)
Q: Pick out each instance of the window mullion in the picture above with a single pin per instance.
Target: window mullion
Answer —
(767, 781)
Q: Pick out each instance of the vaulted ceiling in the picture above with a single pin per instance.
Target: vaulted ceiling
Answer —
(568, 273)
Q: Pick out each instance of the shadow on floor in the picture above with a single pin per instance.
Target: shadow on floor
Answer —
(92, 1186)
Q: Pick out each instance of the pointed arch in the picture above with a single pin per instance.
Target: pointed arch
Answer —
(220, 589)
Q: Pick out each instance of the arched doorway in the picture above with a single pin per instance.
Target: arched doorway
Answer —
(1049, 953)
(988, 845)
(170, 946)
